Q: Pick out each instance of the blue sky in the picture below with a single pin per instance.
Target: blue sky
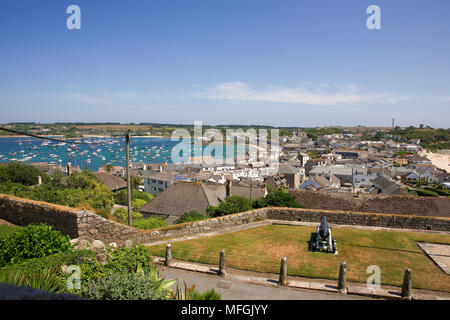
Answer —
(282, 63)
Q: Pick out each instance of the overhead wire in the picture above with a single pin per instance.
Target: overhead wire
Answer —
(46, 138)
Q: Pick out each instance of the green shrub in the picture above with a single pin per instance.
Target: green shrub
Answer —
(123, 261)
(33, 241)
(190, 293)
(53, 262)
(21, 173)
(281, 198)
(121, 215)
(231, 205)
(120, 260)
(207, 295)
(138, 203)
(427, 193)
(149, 223)
(7, 230)
(121, 197)
(412, 192)
(142, 195)
(118, 286)
(15, 189)
(190, 216)
(439, 190)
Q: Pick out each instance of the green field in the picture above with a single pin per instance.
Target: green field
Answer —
(260, 249)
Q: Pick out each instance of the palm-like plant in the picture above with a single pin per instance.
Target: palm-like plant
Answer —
(46, 280)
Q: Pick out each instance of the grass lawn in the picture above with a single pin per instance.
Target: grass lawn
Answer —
(260, 249)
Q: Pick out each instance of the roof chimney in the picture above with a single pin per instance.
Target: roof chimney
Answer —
(69, 169)
(39, 180)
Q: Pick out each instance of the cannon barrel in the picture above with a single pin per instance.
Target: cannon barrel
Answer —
(323, 229)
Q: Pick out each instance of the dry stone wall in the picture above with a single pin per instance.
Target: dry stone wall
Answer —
(390, 204)
(85, 225)
(23, 212)
(361, 218)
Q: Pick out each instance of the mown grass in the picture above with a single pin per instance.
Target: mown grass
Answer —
(260, 249)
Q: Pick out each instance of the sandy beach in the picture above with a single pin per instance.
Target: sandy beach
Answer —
(440, 160)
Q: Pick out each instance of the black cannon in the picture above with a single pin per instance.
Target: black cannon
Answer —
(322, 240)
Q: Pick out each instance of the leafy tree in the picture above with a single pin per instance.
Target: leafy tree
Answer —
(142, 195)
(15, 189)
(55, 178)
(135, 182)
(18, 172)
(121, 215)
(108, 167)
(281, 198)
(137, 204)
(231, 205)
(82, 180)
(120, 197)
(190, 216)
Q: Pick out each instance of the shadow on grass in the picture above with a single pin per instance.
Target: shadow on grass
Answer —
(380, 248)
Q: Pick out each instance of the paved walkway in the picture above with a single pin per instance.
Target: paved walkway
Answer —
(439, 253)
(231, 289)
(243, 281)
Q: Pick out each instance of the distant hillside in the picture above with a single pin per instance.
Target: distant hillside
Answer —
(432, 139)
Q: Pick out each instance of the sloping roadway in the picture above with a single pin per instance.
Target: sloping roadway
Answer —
(237, 290)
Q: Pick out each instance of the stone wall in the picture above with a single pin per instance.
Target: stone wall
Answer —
(23, 212)
(361, 218)
(86, 225)
(390, 204)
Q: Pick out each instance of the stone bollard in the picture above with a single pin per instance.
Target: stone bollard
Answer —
(168, 259)
(406, 287)
(222, 271)
(342, 282)
(283, 272)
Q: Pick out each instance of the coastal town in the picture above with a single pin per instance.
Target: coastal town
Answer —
(358, 161)
(186, 152)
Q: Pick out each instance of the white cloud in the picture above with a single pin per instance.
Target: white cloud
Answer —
(126, 94)
(108, 98)
(323, 94)
(88, 99)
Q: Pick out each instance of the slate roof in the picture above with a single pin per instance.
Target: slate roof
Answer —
(185, 196)
(286, 168)
(386, 186)
(112, 182)
(248, 192)
(161, 176)
(310, 185)
(326, 180)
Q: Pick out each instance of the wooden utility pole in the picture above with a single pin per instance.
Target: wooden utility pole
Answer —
(127, 140)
